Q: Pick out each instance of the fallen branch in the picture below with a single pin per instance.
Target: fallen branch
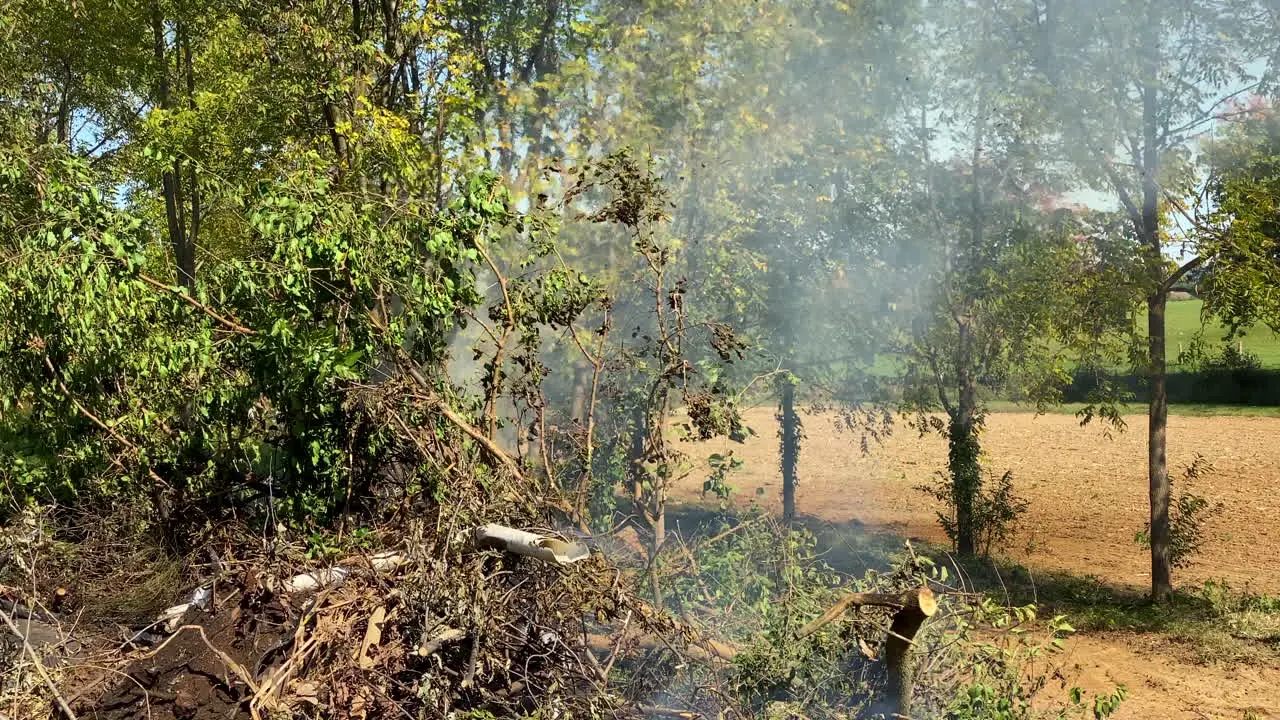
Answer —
(39, 666)
(529, 544)
(705, 650)
(670, 712)
(914, 607)
(460, 422)
(922, 599)
(232, 665)
(183, 294)
(446, 635)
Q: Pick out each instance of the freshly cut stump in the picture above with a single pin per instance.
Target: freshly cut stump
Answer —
(914, 607)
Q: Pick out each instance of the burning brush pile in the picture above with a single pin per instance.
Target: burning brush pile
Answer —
(474, 601)
(459, 619)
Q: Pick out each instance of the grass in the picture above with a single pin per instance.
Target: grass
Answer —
(1191, 410)
(1210, 624)
(1183, 324)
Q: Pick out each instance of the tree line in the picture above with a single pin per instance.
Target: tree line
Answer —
(293, 258)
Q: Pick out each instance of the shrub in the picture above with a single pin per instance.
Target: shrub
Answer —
(1188, 516)
(997, 510)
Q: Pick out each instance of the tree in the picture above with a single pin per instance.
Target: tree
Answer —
(1166, 71)
(1236, 226)
(288, 148)
(956, 269)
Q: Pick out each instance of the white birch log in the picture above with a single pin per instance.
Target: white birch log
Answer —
(307, 582)
(529, 544)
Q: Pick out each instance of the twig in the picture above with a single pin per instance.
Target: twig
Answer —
(231, 664)
(182, 293)
(491, 399)
(613, 655)
(107, 672)
(474, 433)
(39, 666)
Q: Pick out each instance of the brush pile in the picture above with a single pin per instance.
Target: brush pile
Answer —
(454, 617)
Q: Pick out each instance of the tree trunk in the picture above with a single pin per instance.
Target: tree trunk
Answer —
(1158, 415)
(790, 436)
(962, 459)
(1157, 461)
(171, 180)
(962, 463)
(638, 431)
(581, 389)
(659, 539)
(900, 684)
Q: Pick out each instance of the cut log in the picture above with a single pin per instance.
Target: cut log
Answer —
(898, 647)
(529, 544)
(914, 607)
(922, 599)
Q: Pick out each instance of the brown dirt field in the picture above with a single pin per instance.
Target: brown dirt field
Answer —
(1088, 498)
(1088, 493)
(1161, 685)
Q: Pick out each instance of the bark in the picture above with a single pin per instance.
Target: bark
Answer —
(659, 539)
(1158, 416)
(790, 450)
(638, 430)
(963, 451)
(914, 607)
(1157, 462)
(897, 651)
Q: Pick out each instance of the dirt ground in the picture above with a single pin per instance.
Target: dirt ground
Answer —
(1088, 499)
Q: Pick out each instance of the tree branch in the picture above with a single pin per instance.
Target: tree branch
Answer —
(460, 422)
(1177, 275)
(1135, 216)
(225, 322)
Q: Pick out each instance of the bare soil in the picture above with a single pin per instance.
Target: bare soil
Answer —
(1088, 494)
(188, 676)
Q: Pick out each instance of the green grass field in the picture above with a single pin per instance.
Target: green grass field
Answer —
(1195, 410)
(1183, 324)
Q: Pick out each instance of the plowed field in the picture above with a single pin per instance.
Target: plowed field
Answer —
(1088, 495)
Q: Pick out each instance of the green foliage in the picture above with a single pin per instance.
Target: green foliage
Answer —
(757, 583)
(1241, 237)
(721, 467)
(1228, 358)
(142, 383)
(1189, 515)
(997, 510)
